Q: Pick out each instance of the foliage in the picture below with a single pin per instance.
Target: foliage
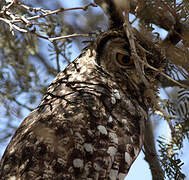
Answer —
(170, 150)
(170, 159)
(25, 70)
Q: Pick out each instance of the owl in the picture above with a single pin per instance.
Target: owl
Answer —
(90, 123)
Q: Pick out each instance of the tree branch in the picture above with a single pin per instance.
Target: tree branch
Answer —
(165, 17)
(5, 14)
(150, 153)
(68, 36)
(167, 83)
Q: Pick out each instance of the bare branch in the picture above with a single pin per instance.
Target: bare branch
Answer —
(60, 37)
(8, 6)
(13, 26)
(160, 71)
(150, 153)
(134, 54)
(167, 83)
(16, 101)
(68, 36)
(49, 12)
(27, 21)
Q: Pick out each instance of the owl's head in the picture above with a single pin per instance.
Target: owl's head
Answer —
(113, 52)
(114, 56)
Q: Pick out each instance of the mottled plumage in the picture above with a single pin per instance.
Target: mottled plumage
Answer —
(90, 123)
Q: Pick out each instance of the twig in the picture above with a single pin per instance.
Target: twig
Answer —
(8, 6)
(27, 21)
(168, 83)
(39, 35)
(23, 105)
(163, 74)
(68, 36)
(11, 4)
(129, 33)
(134, 54)
(60, 37)
(16, 101)
(157, 70)
(133, 20)
(48, 12)
(13, 26)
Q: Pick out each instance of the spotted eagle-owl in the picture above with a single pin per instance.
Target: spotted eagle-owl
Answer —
(90, 123)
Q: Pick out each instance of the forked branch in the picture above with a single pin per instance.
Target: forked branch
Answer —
(23, 24)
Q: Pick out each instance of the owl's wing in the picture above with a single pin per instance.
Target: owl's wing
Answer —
(86, 127)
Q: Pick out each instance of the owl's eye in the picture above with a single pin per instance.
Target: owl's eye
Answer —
(124, 60)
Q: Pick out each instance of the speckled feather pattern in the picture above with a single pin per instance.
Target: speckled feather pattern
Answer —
(89, 126)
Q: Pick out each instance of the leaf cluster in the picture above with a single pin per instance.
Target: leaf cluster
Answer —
(169, 158)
